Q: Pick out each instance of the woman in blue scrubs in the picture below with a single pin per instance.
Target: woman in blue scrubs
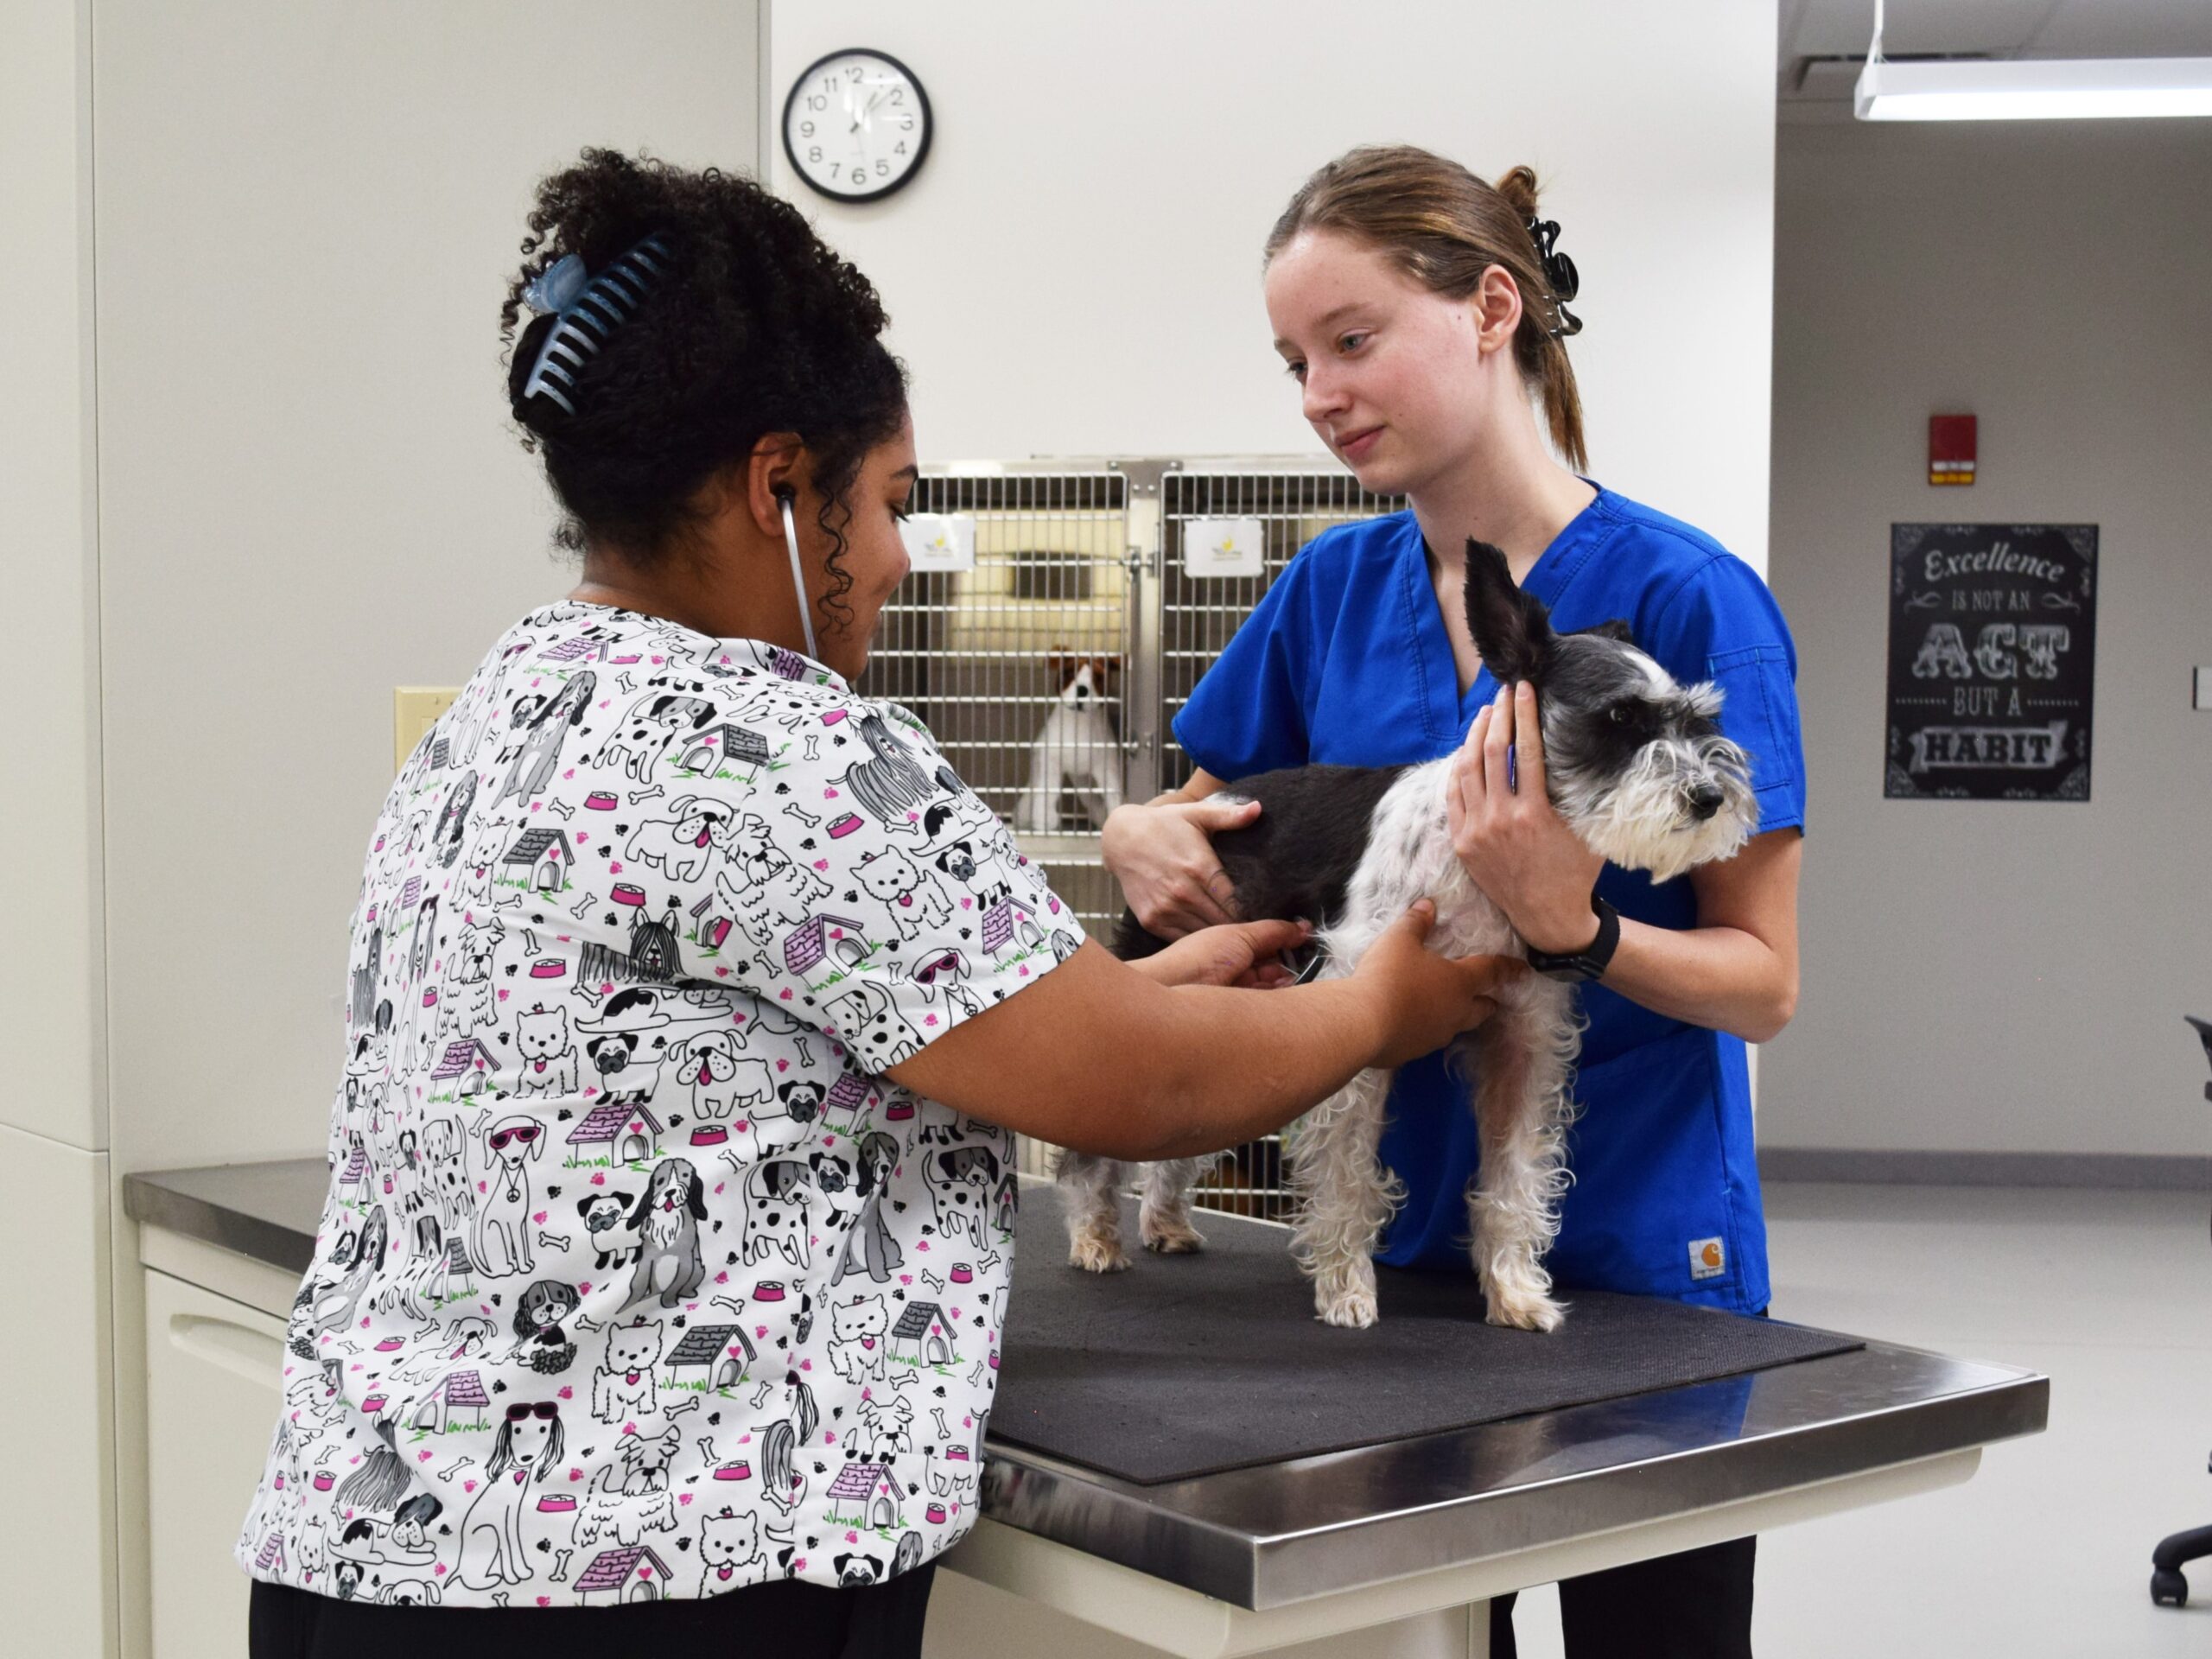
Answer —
(1420, 310)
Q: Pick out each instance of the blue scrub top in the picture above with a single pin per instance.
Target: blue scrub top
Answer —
(1346, 661)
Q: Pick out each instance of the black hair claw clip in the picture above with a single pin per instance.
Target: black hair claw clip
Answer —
(1560, 272)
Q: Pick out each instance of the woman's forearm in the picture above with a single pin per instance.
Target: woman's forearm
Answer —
(1101, 1059)
(1233, 1065)
(1722, 978)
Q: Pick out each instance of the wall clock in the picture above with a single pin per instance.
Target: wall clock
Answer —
(856, 124)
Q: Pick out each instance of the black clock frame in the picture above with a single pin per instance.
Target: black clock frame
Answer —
(929, 124)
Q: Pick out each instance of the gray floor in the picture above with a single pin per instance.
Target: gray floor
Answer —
(2046, 1551)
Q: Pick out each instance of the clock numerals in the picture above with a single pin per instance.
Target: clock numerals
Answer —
(857, 125)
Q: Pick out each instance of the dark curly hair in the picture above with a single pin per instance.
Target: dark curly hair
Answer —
(756, 328)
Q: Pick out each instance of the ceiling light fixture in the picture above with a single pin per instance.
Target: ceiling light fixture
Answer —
(2048, 89)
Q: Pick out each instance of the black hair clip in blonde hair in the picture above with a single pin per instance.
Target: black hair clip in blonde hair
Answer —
(1559, 271)
(585, 313)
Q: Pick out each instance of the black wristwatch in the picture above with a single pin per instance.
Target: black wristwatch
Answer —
(1580, 967)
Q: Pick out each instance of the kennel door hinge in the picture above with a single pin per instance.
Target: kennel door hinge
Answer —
(1143, 556)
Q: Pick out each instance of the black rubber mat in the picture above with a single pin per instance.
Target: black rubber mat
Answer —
(1186, 1366)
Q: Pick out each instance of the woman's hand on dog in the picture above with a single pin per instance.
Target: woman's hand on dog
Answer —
(1511, 841)
(1423, 1001)
(1244, 954)
(1162, 853)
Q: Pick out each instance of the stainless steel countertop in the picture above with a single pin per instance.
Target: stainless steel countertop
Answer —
(1267, 1536)
(267, 1212)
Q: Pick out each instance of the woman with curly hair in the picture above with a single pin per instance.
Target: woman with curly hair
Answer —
(675, 820)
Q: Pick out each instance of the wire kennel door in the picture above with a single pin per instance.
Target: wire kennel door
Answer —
(971, 651)
(1198, 614)
(1087, 559)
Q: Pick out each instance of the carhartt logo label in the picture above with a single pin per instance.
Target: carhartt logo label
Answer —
(1708, 1258)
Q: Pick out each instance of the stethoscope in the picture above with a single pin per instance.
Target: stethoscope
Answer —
(1316, 958)
(786, 495)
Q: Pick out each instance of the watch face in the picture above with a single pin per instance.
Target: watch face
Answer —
(857, 125)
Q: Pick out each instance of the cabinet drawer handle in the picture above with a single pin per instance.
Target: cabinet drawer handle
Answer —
(244, 1353)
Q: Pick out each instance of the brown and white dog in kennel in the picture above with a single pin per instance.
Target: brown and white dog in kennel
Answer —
(1075, 749)
(1636, 765)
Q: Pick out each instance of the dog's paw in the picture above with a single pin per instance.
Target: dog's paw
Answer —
(1352, 1310)
(1345, 1296)
(1170, 1236)
(1096, 1253)
(1525, 1313)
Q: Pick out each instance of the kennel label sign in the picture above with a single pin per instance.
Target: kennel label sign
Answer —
(1225, 547)
(1992, 660)
(939, 541)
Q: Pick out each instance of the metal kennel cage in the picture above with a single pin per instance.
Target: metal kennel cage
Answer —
(1074, 562)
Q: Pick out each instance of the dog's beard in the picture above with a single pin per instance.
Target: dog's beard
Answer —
(1641, 819)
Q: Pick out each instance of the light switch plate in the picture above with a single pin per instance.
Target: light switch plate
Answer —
(2203, 699)
(415, 709)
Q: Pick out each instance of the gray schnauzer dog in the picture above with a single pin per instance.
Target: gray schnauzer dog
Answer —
(1639, 769)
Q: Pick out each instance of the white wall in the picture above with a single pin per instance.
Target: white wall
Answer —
(1076, 269)
(309, 491)
(50, 846)
(57, 1554)
(1999, 977)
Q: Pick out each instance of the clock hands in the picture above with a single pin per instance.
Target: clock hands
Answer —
(885, 110)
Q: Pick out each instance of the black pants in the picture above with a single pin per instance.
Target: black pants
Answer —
(788, 1618)
(1694, 1605)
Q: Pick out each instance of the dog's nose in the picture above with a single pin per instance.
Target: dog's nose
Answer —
(1705, 800)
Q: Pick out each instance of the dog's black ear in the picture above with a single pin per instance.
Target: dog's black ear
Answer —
(583, 1206)
(1613, 629)
(698, 1199)
(1511, 629)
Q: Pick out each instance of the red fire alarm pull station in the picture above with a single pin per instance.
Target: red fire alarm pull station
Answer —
(1950, 449)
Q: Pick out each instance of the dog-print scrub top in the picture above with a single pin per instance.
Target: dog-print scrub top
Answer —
(636, 1278)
